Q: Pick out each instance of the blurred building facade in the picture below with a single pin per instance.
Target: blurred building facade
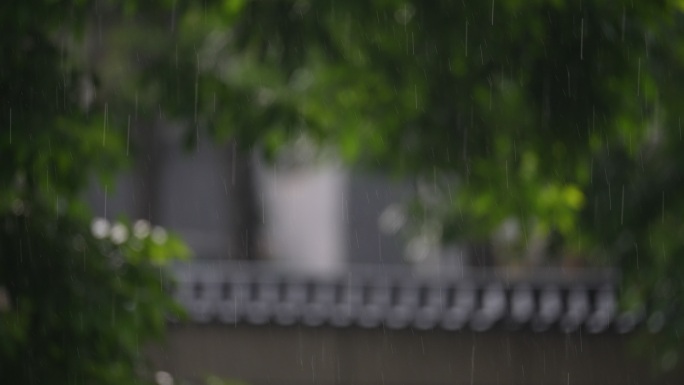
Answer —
(306, 212)
(302, 275)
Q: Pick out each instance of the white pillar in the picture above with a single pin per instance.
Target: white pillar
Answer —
(304, 217)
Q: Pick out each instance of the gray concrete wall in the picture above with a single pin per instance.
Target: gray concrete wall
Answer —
(301, 355)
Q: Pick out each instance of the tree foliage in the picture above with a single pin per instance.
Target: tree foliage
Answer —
(76, 305)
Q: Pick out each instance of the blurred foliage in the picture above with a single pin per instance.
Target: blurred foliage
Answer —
(75, 308)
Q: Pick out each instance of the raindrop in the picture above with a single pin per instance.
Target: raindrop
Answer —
(639, 77)
(472, 365)
(622, 38)
(663, 209)
(263, 209)
(415, 95)
(5, 303)
(506, 174)
(173, 17)
(196, 100)
(105, 201)
(233, 163)
(492, 12)
(346, 210)
(104, 128)
(636, 247)
(128, 134)
(622, 206)
(451, 198)
(582, 39)
(466, 39)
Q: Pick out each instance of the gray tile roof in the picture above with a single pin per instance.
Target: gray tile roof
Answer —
(399, 297)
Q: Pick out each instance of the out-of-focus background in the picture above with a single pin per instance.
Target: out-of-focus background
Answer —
(365, 192)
